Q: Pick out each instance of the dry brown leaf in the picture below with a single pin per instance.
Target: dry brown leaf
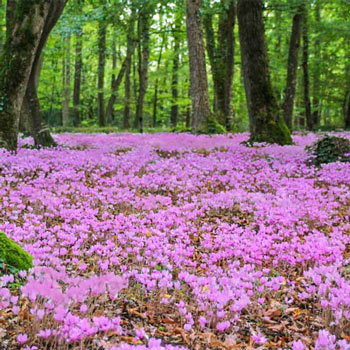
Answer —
(183, 335)
(136, 313)
(273, 313)
(277, 328)
(130, 340)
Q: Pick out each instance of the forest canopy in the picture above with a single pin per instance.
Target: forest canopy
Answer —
(183, 65)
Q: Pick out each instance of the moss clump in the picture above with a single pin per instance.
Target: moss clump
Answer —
(13, 255)
(273, 132)
(212, 127)
(329, 149)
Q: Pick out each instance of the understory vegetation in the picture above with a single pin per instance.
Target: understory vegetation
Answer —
(175, 241)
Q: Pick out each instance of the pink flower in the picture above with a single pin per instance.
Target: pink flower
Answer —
(259, 339)
(22, 338)
(298, 345)
(83, 308)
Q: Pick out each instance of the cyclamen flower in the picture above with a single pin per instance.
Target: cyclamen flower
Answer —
(45, 333)
(343, 345)
(83, 308)
(259, 339)
(325, 341)
(22, 338)
(222, 326)
(16, 310)
(298, 345)
(140, 333)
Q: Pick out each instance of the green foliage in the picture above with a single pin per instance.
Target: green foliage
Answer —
(86, 130)
(13, 255)
(331, 67)
(181, 128)
(329, 149)
(213, 127)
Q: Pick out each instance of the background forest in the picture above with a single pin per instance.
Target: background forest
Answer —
(103, 54)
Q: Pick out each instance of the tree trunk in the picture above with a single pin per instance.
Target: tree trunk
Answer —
(266, 125)
(102, 32)
(1, 30)
(346, 106)
(292, 75)
(221, 55)
(316, 101)
(117, 82)
(226, 49)
(66, 82)
(31, 113)
(156, 85)
(306, 79)
(129, 52)
(188, 111)
(144, 23)
(16, 65)
(10, 13)
(198, 72)
(134, 82)
(110, 107)
(77, 74)
(175, 76)
(278, 49)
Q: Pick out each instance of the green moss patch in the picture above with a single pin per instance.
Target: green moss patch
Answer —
(14, 255)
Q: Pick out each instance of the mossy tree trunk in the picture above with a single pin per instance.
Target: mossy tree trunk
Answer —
(266, 123)
(316, 100)
(143, 60)
(16, 64)
(116, 83)
(198, 72)
(110, 112)
(127, 82)
(156, 85)
(78, 70)
(221, 52)
(346, 107)
(102, 33)
(175, 74)
(66, 82)
(306, 78)
(31, 109)
(292, 75)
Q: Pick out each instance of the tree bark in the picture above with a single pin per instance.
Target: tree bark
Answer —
(110, 107)
(316, 101)
(102, 32)
(198, 73)
(292, 75)
(117, 82)
(266, 124)
(127, 83)
(31, 110)
(10, 14)
(175, 76)
(16, 64)
(156, 85)
(306, 79)
(144, 35)
(278, 49)
(1, 31)
(77, 74)
(221, 49)
(66, 79)
(346, 106)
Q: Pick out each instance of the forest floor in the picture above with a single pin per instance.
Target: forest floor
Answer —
(173, 240)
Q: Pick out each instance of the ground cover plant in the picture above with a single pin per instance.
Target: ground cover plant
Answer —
(171, 241)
